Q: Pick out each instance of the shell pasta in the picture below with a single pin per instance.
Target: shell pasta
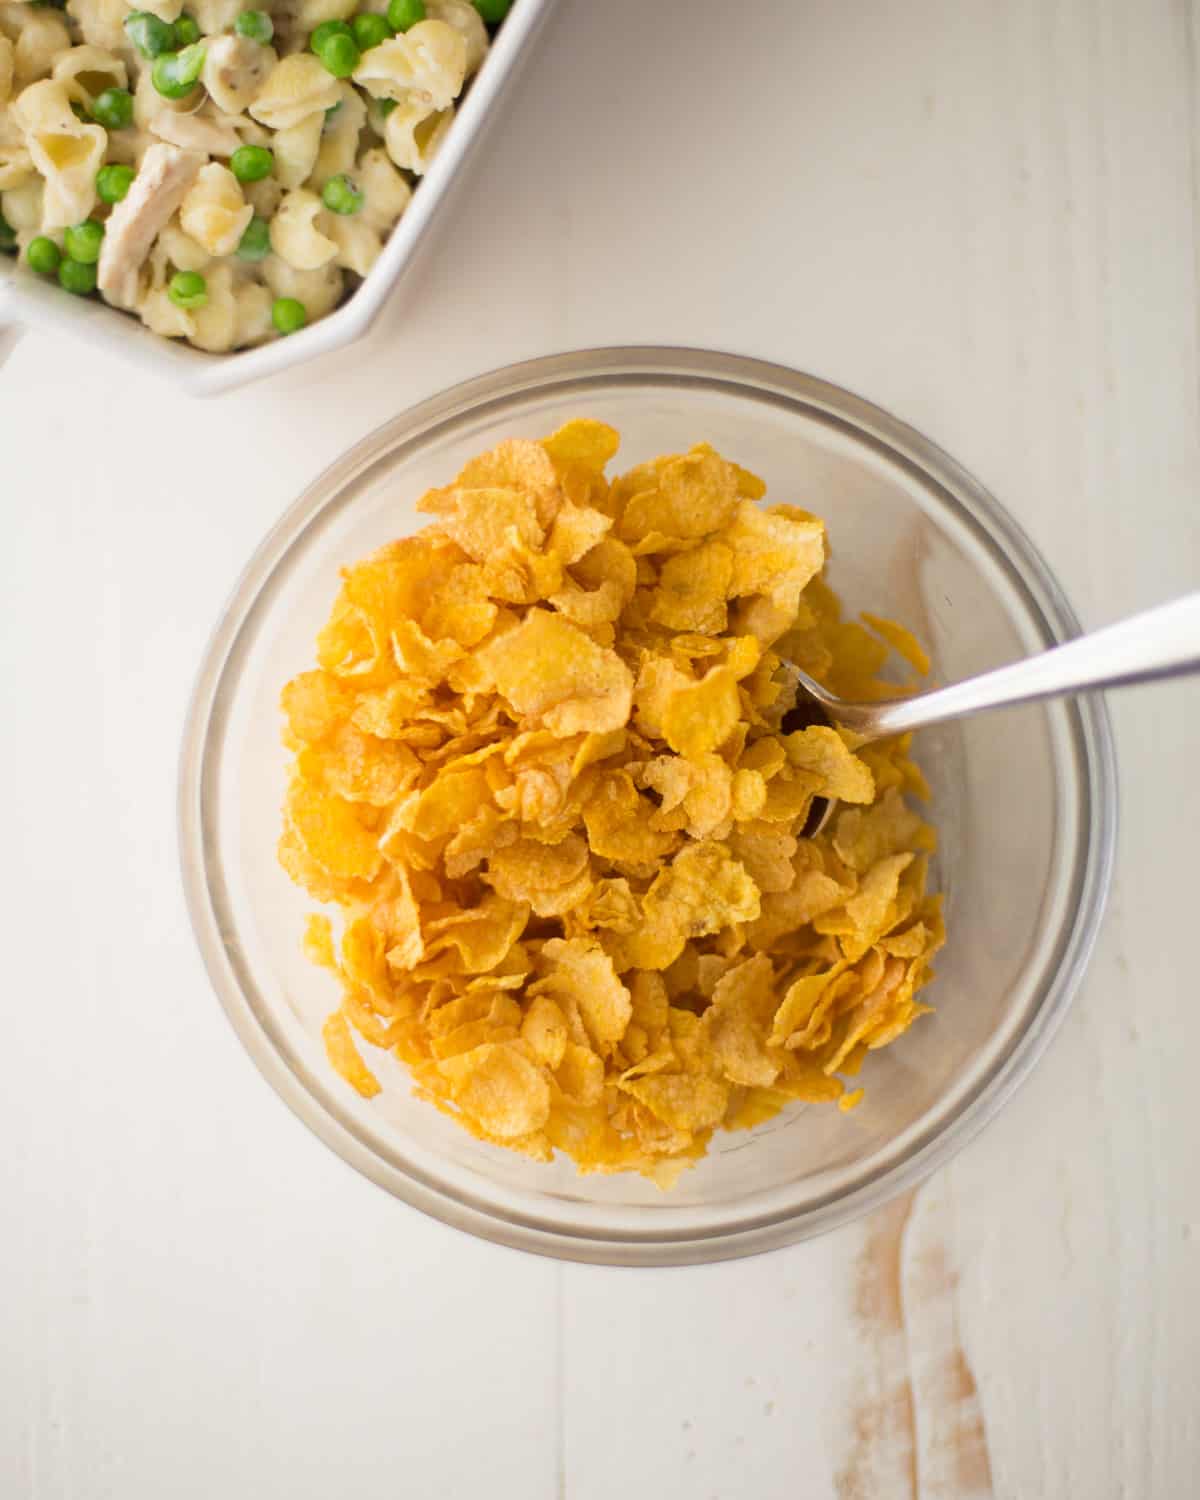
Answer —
(224, 173)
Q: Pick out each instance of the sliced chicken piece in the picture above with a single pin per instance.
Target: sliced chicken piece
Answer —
(157, 191)
(195, 133)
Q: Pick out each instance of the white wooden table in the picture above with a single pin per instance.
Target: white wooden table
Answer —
(982, 216)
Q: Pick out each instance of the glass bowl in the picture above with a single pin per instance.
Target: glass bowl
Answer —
(1025, 802)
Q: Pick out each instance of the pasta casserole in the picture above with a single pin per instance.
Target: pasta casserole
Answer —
(225, 174)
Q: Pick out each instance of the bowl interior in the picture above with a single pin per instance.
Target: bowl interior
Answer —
(1014, 801)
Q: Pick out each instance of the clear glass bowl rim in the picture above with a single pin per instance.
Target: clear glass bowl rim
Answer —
(311, 1100)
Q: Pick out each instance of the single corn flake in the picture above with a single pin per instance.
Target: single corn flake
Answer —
(617, 820)
(822, 752)
(480, 938)
(331, 833)
(520, 465)
(481, 521)
(581, 970)
(544, 1029)
(773, 553)
(901, 640)
(501, 1089)
(862, 836)
(552, 878)
(551, 672)
(801, 1003)
(580, 1075)
(344, 1056)
(743, 1002)
(318, 942)
(315, 704)
(692, 589)
(582, 441)
(700, 716)
(702, 891)
(685, 1101)
(695, 495)
(576, 531)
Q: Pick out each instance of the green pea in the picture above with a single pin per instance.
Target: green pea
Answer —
(188, 289)
(385, 106)
(252, 163)
(255, 243)
(8, 235)
(113, 109)
(340, 55)
(492, 11)
(76, 277)
(187, 31)
(113, 182)
(324, 31)
(340, 196)
(151, 35)
(43, 256)
(174, 74)
(255, 26)
(405, 13)
(369, 30)
(82, 242)
(288, 315)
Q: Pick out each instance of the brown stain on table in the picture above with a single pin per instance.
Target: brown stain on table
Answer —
(883, 1449)
(916, 1426)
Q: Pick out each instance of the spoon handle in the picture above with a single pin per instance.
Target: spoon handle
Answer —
(1159, 642)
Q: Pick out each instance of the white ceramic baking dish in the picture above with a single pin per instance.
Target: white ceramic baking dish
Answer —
(28, 300)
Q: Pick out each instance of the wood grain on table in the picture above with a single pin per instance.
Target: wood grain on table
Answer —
(983, 217)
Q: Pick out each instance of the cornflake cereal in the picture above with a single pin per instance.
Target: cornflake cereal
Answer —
(547, 769)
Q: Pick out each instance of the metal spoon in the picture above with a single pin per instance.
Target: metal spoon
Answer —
(1160, 642)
